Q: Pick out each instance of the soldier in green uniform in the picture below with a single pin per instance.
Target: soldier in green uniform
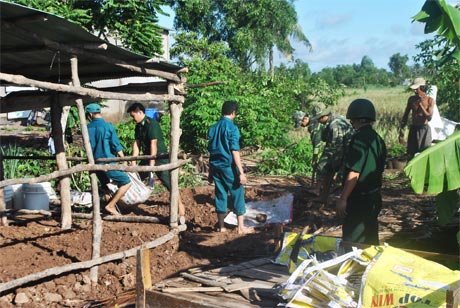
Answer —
(361, 200)
(150, 141)
(336, 134)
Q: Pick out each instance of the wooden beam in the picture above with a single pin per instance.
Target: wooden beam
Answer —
(91, 167)
(21, 80)
(78, 51)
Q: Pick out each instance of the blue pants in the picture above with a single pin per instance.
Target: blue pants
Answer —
(228, 180)
(119, 177)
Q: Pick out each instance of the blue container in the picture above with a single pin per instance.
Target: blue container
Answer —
(152, 113)
(35, 197)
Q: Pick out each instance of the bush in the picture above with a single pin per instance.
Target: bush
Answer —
(293, 160)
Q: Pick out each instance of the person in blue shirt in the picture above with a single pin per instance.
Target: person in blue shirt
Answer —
(105, 144)
(226, 170)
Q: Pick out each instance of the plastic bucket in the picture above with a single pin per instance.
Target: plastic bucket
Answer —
(35, 197)
(152, 113)
(8, 196)
(18, 199)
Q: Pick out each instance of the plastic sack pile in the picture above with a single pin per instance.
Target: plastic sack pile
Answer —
(379, 276)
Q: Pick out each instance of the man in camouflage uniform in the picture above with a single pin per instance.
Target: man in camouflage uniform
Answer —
(336, 134)
(315, 129)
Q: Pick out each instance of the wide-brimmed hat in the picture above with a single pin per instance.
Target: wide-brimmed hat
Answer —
(417, 83)
(319, 110)
(93, 108)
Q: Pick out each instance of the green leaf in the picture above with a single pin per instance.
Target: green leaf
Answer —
(438, 167)
(447, 206)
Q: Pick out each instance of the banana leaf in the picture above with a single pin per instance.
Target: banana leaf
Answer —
(437, 168)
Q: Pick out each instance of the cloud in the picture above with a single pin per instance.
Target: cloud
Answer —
(328, 21)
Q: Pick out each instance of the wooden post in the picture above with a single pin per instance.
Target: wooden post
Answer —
(61, 161)
(175, 110)
(143, 279)
(97, 221)
(3, 218)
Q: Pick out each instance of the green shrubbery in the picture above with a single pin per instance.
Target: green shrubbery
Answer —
(292, 160)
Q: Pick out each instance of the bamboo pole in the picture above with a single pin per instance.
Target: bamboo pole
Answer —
(21, 80)
(97, 222)
(90, 263)
(136, 219)
(91, 167)
(85, 159)
(130, 218)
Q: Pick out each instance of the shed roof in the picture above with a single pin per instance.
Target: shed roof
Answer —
(38, 45)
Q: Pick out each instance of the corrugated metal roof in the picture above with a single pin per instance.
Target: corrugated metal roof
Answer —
(31, 44)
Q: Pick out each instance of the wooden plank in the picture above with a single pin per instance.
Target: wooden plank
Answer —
(192, 289)
(238, 267)
(204, 281)
(249, 284)
(143, 278)
(155, 299)
(270, 273)
(194, 300)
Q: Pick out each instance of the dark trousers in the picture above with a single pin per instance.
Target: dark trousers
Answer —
(360, 224)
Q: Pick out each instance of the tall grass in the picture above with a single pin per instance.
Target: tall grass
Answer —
(10, 166)
(389, 105)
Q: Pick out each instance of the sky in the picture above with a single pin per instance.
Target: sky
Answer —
(342, 32)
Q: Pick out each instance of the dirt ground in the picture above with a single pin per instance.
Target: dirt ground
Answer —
(34, 243)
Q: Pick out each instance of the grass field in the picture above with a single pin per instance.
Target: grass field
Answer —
(389, 105)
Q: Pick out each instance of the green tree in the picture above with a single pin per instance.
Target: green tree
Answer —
(133, 22)
(398, 65)
(250, 28)
(265, 117)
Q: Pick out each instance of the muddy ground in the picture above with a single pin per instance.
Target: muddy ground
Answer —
(31, 244)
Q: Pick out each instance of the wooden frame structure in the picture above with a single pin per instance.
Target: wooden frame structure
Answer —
(45, 51)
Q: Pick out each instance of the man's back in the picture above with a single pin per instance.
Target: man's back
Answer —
(223, 138)
(103, 139)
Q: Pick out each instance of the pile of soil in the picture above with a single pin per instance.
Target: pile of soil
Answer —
(33, 243)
